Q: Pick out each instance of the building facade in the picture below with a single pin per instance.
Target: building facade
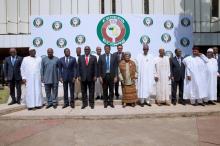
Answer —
(15, 14)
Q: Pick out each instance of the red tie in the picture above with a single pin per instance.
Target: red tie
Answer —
(87, 60)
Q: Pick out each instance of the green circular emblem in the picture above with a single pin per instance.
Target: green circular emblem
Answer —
(185, 22)
(75, 21)
(113, 30)
(145, 39)
(38, 22)
(168, 24)
(166, 38)
(61, 42)
(80, 39)
(37, 42)
(148, 21)
(185, 42)
(57, 25)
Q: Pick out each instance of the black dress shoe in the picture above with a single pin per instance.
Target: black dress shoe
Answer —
(65, 106)
(141, 104)
(30, 109)
(84, 106)
(202, 104)
(55, 106)
(38, 107)
(211, 103)
(148, 104)
(111, 105)
(72, 105)
(12, 102)
(105, 105)
(183, 103)
(18, 102)
(92, 107)
(49, 106)
(97, 98)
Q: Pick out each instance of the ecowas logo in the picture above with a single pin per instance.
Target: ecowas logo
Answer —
(113, 30)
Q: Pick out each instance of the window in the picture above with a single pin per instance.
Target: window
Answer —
(102, 6)
(113, 7)
(146, 6)
(215, 8)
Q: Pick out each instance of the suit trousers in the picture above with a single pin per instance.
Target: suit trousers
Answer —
(15, 84)
(69, 84)
(91, 86)
(108, 84)
(179, 83)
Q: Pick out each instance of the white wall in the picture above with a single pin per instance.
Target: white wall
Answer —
(14, 14)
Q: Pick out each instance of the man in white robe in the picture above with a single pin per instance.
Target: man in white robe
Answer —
(195, 85)
(145, 82)
(212, 67)
(98, 85)
(30, 71)
(162, 78)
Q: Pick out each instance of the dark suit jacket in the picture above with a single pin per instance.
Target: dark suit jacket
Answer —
(87, 72)
(113, 65)
(67, 73)
(177, 71)
(13, 72)
(218, 64)
(118, 58)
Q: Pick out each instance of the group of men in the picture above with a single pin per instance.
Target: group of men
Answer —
(100, 75)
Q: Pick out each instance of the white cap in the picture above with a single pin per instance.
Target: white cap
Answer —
(210, 50)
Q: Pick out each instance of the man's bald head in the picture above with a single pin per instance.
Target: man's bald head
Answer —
(145, 48)
(78, 51)
(161, 52)
(50, 52)
(98, 50)
(13, 52)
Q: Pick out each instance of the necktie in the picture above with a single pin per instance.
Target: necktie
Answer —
(67, 61)
(179, 60)
(13, 61)
(107, 63)
(87, 60)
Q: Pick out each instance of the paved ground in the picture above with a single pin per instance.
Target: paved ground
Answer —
(202, 131)
(149, 126)
(118, 112)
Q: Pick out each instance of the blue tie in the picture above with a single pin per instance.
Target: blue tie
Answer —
(107, 64)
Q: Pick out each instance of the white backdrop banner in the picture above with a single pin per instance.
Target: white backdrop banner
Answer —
(158, 31)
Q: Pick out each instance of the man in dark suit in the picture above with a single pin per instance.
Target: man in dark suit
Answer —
(177, 75)
(120, 56)
(12, 71)
(108, 72)
(68, 74)
(87, 69)
(217, 56)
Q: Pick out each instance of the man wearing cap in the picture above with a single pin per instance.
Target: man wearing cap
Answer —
(162, 78)
(31, 76)
(195, 86)
(212, 67)
(145, 84)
